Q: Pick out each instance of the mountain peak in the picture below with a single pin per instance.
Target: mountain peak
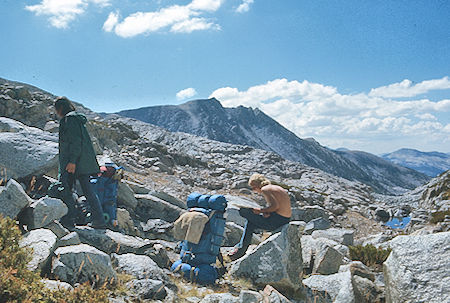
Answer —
(252, 127)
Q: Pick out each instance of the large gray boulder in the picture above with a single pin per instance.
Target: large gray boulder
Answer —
(125, 196)
(220, 298)
(69, 239)
(43, 211)
(354, 283)
(316, 224)
(81, 263)
(336, 288)
(308, 213)
(152, 207)
(43, 242)
(250, 296)
(417, 270)
(343, 236)
(12, 199)
(139, 266)
(276, 261)
(110, 241)
(26, 150)
(57, 228)
(327, 261)
(147, 289)
(316, 254)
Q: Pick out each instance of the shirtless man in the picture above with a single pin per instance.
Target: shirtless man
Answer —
(276, 214)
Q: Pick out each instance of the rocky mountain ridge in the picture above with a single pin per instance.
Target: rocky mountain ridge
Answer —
(246, 126)
(429, 163)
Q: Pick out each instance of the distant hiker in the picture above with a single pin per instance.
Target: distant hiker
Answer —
(77, 161)
(277, 214)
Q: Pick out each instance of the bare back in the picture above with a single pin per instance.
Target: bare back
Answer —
(278, 197)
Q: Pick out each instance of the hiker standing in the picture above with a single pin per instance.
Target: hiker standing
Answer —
(276, 214)
(77, 161)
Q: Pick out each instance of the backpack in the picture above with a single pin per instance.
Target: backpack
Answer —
(202, 274)
(106, 185)
(199, 259)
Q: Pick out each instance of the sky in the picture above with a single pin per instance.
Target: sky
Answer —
(365, 75)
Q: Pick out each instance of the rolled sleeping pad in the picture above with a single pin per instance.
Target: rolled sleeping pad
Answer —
(203, 201)
(218, 202)
(192, 200)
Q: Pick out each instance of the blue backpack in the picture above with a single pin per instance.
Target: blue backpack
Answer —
(105, 186)
(199, 259)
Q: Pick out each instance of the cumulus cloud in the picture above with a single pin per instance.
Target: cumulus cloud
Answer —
(111, 22)
(373, 121)
(178, 18)
(194, 24)
(244, 6)
(62, 12)
(186, 93)
(406, 88)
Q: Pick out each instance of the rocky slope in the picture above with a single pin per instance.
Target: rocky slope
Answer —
(247, 126)
(429, 163)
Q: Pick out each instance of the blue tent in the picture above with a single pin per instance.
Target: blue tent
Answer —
(397, 223)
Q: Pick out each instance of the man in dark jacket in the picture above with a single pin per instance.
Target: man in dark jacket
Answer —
(77, 161)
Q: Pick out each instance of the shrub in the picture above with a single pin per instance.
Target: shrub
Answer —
(369, 255)
(439, 216)
(18, 284)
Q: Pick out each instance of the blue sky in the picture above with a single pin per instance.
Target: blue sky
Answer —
(332, 70)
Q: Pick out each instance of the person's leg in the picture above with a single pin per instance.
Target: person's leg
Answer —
(253, 221)
(67, 181)
(92, 199)
(276, 221)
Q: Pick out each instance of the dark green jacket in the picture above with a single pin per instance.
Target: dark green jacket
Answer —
(75, 145)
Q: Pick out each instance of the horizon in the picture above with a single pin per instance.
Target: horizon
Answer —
(361, 75)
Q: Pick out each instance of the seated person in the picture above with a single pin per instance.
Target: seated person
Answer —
(276, 214)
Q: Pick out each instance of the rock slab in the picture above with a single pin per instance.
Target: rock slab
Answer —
(12, 199)
(43, 211)
(417, 270)
(276, 261)
(43, 242)
(83, 263)
(26, 150)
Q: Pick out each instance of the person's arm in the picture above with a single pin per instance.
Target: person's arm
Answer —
(270, 199)
(74, 138)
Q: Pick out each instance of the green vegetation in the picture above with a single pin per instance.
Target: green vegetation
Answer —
(369, 255)
(439, 216)
(20, 285)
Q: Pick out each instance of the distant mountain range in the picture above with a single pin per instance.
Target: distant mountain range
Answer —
(248, 126)
(429, 163)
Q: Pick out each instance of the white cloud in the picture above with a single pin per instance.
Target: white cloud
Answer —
(61, 12)
(111, 22)
(186, 93)
(206, 5)
(179, 18)
(244, 6)
(194, 24)
(406, 88)
(359, 121)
